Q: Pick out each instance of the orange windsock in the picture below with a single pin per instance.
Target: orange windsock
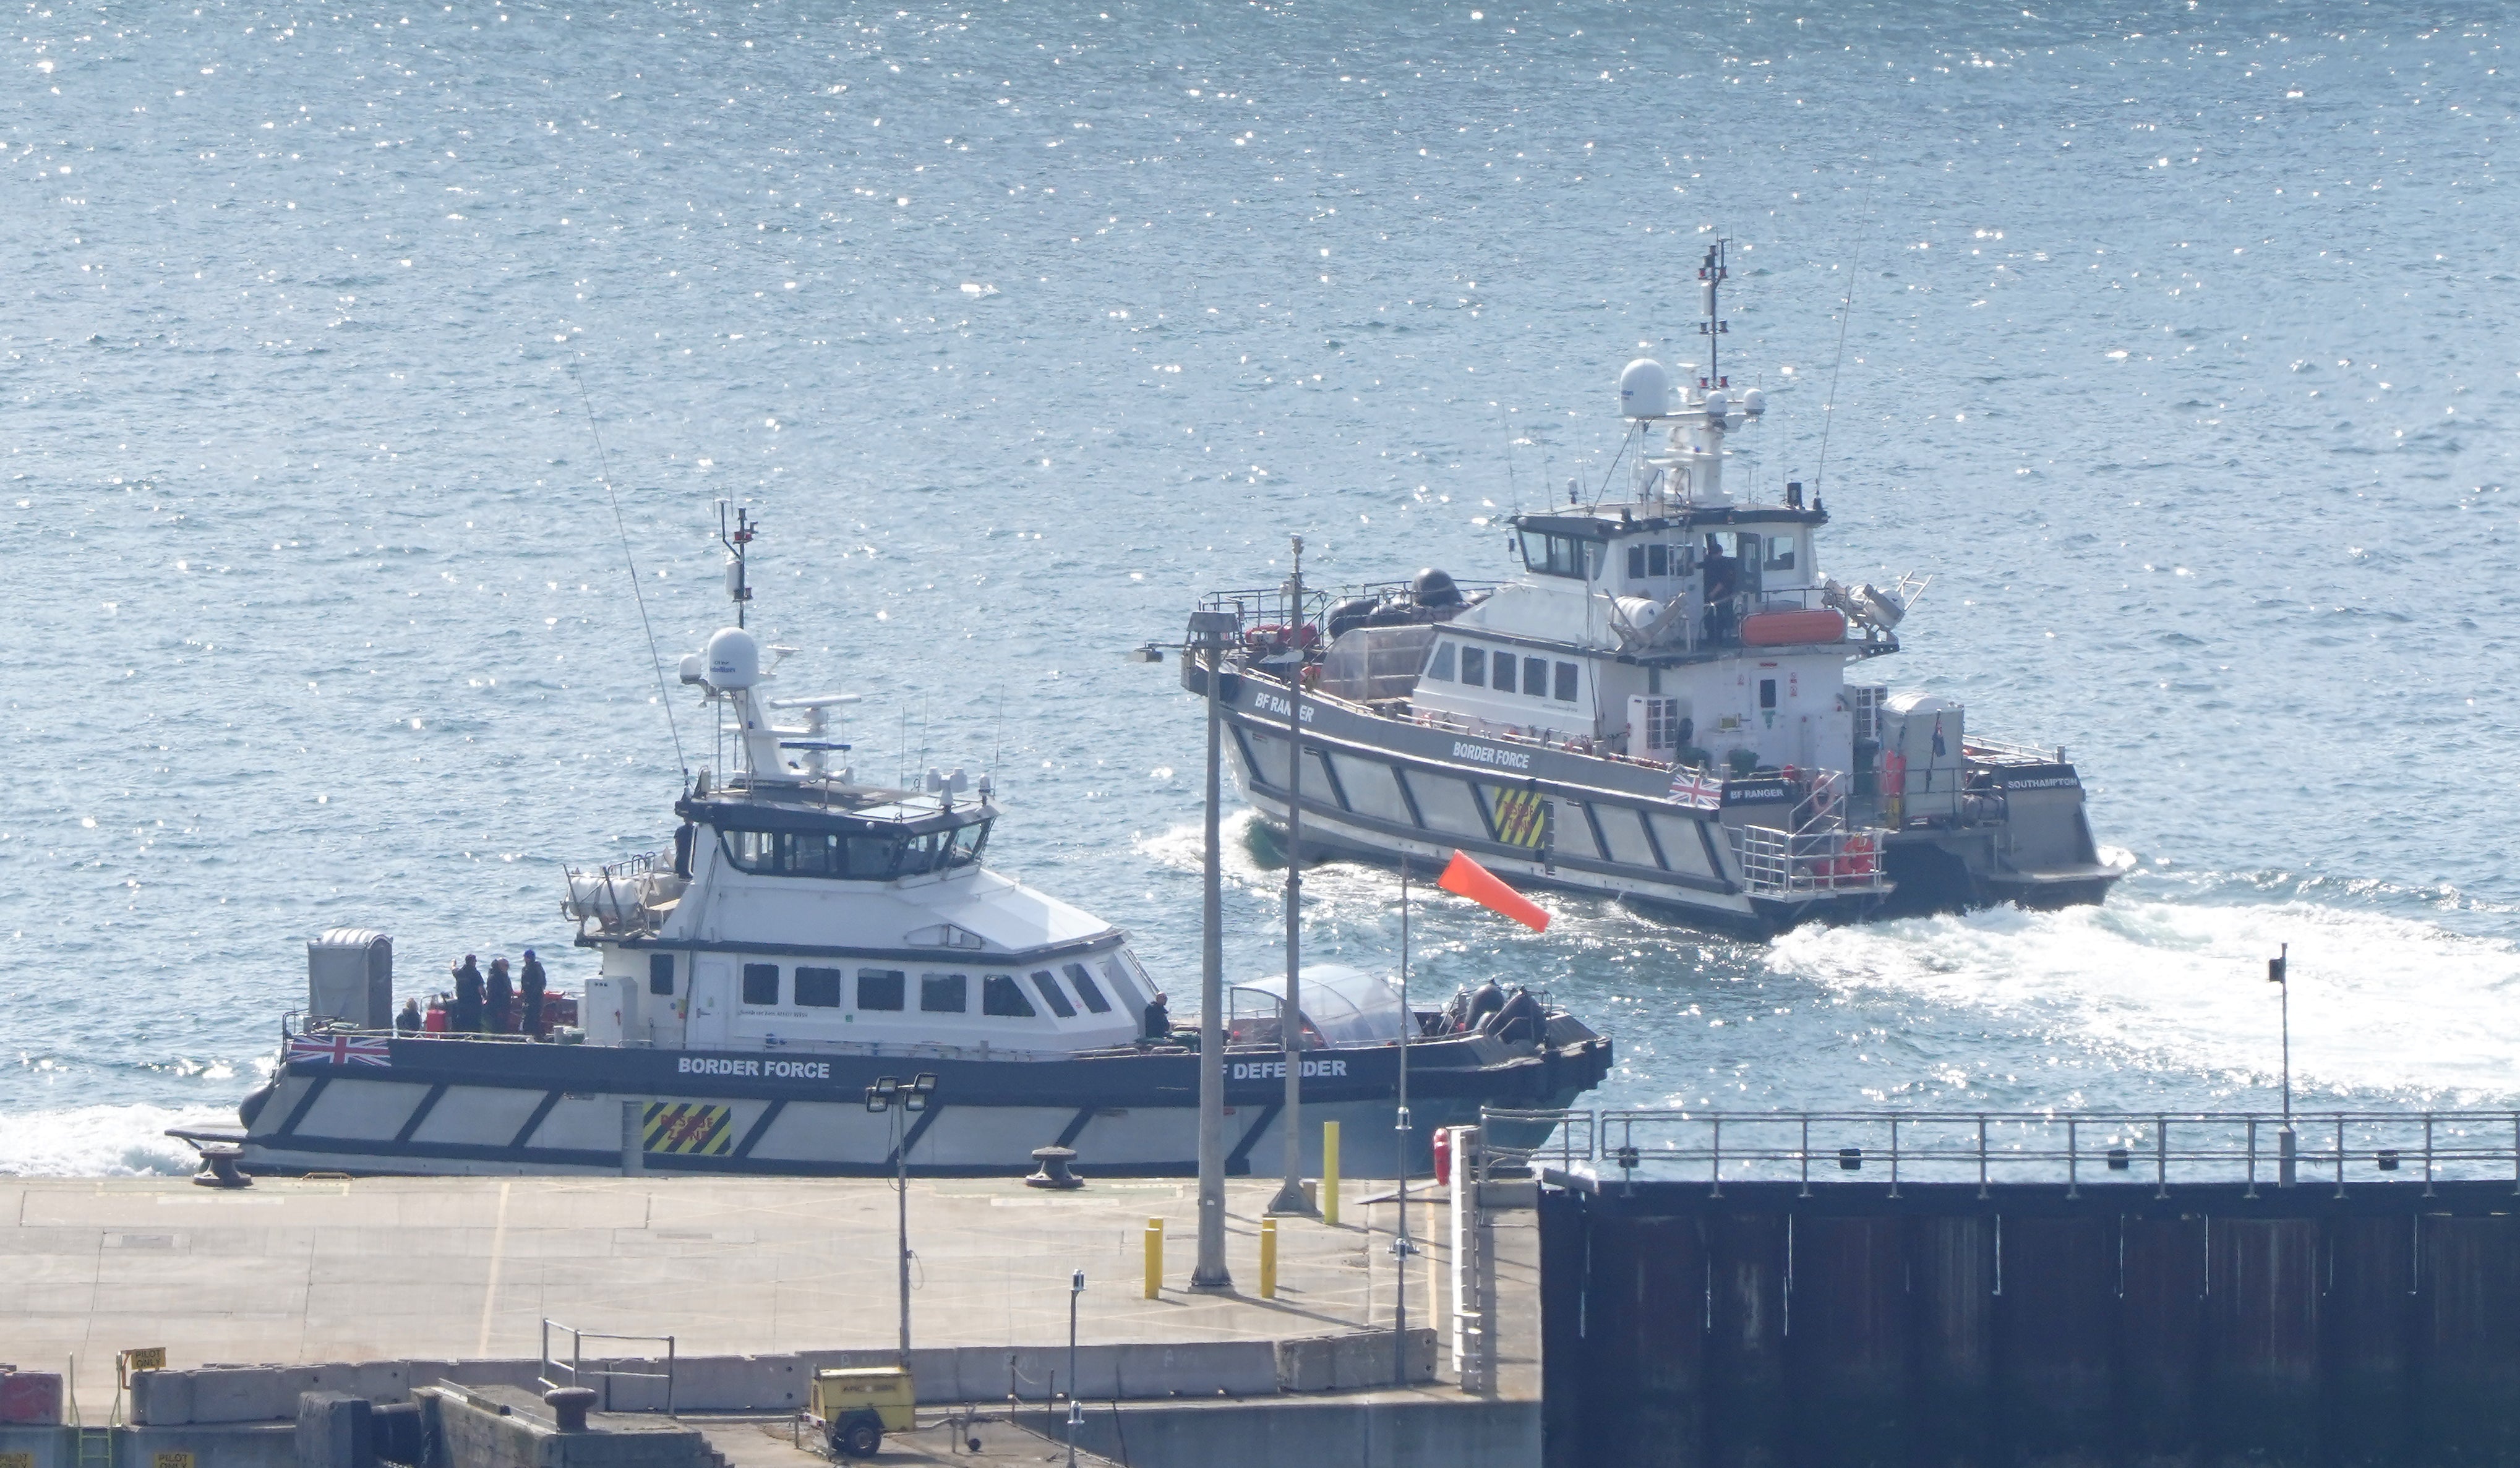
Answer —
(1468, 878)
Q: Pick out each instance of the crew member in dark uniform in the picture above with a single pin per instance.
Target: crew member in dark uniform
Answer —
(409, 1022)
(530, 991)
(467, 1019)
(1159, 1017)
(1723, 580)
(503, 998)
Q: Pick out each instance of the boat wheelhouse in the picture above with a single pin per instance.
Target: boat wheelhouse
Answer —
(1670, 704)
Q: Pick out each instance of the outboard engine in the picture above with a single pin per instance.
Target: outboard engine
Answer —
(1434, 590)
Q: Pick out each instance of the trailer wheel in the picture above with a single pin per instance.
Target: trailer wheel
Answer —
(858, 1438)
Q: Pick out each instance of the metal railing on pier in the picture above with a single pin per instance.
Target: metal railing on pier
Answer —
(575, 1371)
(2161, 1148)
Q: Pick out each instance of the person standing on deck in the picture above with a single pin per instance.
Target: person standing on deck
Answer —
(503, 998)
(530, 991)
(467, 1019)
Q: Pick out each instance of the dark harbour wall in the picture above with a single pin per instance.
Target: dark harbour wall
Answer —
(1937, 1329)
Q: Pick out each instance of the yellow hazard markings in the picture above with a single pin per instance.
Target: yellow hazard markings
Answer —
(687, 1128)
(1521, 817)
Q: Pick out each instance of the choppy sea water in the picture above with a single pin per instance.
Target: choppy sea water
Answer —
(2179, 353)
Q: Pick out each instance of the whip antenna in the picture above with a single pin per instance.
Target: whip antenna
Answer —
(1829, 410)
(604, 465)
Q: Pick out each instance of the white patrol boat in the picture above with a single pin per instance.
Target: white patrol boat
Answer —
(808, 939)
(1666, 707)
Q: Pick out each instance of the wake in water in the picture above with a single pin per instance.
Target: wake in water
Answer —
(103, 1141)
(2386, 1009)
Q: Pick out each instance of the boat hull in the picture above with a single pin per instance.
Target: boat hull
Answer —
(1389, 790)
(486, 1108)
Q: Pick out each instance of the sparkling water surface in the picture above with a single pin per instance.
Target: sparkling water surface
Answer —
(2180, 353)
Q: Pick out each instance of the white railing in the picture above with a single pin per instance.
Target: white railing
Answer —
(1806, 864)
(574, 1371)
(2159, 1149)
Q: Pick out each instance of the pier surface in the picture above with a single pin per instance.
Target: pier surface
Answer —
(301, 1272)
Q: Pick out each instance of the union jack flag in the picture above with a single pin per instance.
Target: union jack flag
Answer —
(1697, 789)
(339, 1049)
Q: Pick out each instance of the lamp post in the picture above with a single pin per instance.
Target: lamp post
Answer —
(1402, 1245)
(1290, 1197)
(2277, 975)
(1208, 631)
(1075, 1406)
(897, 1099)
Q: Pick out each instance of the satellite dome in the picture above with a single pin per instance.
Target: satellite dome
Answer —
(734, 659)
(1644, 390)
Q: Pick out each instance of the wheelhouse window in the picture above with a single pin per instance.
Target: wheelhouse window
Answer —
(1780, 552)
(866, 857)
(1535, 677)
(1552, 554)
(1503, 680)
(1001, 996)
(881, 987)
(1086, 989)
(761, 984)
(818, 987)
(1440, 666)
(1474, 665)
(944, 993)
(1565, 691)
(661, 973)
(1052, 995)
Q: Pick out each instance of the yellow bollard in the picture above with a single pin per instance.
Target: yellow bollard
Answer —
(1154, 1257)
(1268, 1259)
(1330, 1173)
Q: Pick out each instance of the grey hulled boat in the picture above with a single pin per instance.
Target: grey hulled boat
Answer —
(1669, 705)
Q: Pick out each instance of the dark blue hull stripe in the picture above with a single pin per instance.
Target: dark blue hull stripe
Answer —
(1239, 1161)
(420, 1113)
(1075, 1127)
(752, 1134)
(306, 1102)
(542, 1109)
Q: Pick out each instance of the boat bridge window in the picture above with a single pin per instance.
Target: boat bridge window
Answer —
(944, 993)
(1474, 666)
(1502, 679)
(818, 987)
(1001, 996)
(1047, 983)
(1565, 692)
(1552, 554)
(881, 987)
(761, 983)
(1085, 988)
(1440, 666)
(871, 857)
(1780, 552)
(1657, 561)
(1535, 677)
(661, 973)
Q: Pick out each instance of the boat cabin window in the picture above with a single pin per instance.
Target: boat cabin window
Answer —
(1001, 996)
(1565, 692)
(1474, 666)
(1052, 995)
(1766, 692)
(1552, 554)
(1780, 552)
(818, 987)
(944, 993)
(661, 973)
(1086, 989)
(873, 857)
(1535, 677)
(761, 983)
(1657, 561)
(1502, 678)
(880, 988)
(1440, 666)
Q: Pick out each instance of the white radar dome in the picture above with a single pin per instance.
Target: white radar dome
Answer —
(734, 659)
(695, 668)
(1644, 390)
(1754, 402)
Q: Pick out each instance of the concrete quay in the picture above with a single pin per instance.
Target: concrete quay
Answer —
(379, 1287)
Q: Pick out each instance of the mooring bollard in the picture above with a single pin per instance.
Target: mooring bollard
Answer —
(1330, 1173)
(1268, 1259)
(1154, 1257)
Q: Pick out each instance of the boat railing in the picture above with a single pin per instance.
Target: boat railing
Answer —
(2003, 752)
(621, 898)
(574, 1370)
(1811, 863)
(2160, 1148)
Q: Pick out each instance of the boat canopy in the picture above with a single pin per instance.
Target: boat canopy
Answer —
(1343, 1006)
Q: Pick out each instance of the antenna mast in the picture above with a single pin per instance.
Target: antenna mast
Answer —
(1710, 276)
(737, 589)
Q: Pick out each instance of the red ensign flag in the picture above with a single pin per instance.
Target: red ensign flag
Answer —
(1468, 878)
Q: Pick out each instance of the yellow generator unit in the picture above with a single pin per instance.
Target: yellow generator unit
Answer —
(854, 1407)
